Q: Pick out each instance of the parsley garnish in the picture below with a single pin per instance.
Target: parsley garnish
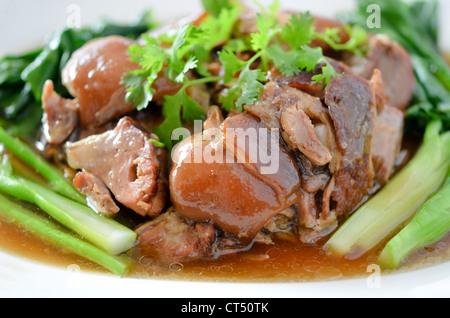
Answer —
(245, 59)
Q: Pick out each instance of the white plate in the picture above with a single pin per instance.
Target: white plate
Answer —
(27, 23)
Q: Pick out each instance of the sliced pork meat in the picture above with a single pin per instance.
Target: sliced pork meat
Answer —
(297, 115)
(132, 168)
(60, 115)
(299, 131)
(387, 142)
(394, 63)
(93, 75)
(98, 196)
(218, 180)
(352, 107)
(171, 238)
(341, 187)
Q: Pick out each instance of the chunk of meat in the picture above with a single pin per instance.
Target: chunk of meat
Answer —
(219, 181)
(171, 238)
(93, 75)
(97, 194)
(60, 115)
(394, 63)
(299, 131)
(352, 107)
(297, 114)
(387, 141)
(127, 163)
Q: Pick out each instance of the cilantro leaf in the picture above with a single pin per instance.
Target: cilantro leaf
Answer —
(189, 65)
(139, 88)
(266, 24)
(219, 28)
(231, 64)
(186, 37)
(328, 72)
(250, 86)
(285, 61)
(138, 82)
(299, 31)
(175, 108)
(357, 42)
(246, 91)
(309, 57)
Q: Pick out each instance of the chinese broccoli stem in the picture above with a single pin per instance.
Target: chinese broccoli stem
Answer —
(100, 230)
(56, 180)
(429, 225)
(398, 200)
(46, 230)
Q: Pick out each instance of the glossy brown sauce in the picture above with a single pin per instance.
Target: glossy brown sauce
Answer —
(288, 260)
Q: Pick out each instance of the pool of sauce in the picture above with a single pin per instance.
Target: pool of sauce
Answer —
(284, 261)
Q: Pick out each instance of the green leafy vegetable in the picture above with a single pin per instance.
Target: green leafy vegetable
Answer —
(398, 200)
(429, 225)
(22, 77)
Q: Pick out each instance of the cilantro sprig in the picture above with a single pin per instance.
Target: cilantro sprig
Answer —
(245, 59)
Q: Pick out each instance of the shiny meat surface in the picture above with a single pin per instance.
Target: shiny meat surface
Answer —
(224, 185)
(171, 238)
(93, 74)
(60, 115)
(127, 163)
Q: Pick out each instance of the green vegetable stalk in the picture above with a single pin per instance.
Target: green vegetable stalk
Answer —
(102, 231)
(57, 181)
(429, 225)
(398, 200)
(51, 233)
